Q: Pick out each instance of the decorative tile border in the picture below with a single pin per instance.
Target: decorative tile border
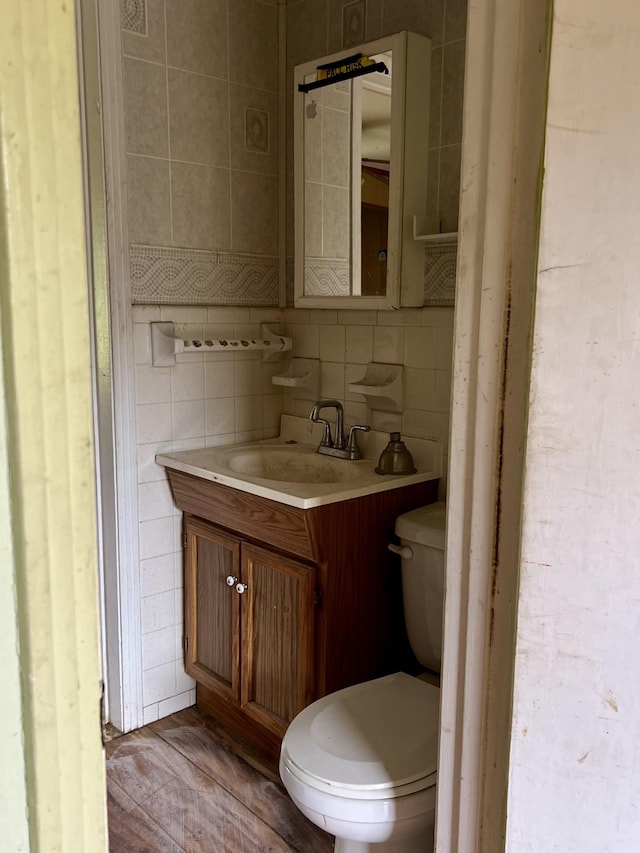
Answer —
(440, 273)
(133, 16)
(324, 277)
(190, 277)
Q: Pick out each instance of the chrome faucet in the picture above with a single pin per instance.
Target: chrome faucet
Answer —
(340, 447)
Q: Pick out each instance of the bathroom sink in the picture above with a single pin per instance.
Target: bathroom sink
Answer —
(291, 465)
(289, 470)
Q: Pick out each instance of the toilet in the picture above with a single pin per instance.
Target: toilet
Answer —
(361, 763)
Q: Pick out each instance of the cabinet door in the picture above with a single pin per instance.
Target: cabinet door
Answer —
(277, 637)
(212, 612)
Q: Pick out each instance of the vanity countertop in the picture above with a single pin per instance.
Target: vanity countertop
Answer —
(260, 467)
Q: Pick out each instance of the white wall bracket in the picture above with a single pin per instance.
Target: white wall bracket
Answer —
(381, 387)
(302, 376)
(165, 344)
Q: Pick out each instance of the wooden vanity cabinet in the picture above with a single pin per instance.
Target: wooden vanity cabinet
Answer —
(249, 631)
(322, 608)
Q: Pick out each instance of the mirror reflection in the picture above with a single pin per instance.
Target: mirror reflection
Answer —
(347, 152)
(350, 171)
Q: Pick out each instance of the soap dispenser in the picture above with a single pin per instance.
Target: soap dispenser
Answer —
(395, 458)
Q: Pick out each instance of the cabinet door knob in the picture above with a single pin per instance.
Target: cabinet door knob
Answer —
(241, 587)
(231, 581)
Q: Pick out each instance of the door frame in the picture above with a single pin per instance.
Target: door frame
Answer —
(501, 182)
(102, 97)
(507, 47)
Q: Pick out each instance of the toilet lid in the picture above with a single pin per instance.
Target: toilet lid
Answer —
(375, 736)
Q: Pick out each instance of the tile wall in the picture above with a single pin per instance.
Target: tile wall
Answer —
(201, 136)
(205, 400)
(421, 339)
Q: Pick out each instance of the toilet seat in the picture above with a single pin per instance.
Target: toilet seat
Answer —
(376, 740)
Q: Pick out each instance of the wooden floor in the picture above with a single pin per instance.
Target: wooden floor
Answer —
(182, 785)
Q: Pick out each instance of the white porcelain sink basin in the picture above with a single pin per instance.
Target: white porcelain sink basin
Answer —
(291, 465)
(289, 470)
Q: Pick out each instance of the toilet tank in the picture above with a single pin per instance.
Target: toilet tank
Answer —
(422, 533)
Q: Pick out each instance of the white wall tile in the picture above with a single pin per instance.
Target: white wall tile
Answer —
(194, 443)
(357, 318)
(441, 429)
(219, 379)
(271, 413)
(159, 683)
(184, 313)
(332, 343)
(307, 341)
(155, 500)
(400, 317)
(418, 422)
(249, 435)
(156, 538)
(357, 413)
(420, 346)
(184, 682)
(387, 421)
(148, 470)
(265, 315)
(442, 402)
(323, 317)
(248, 378)
(331, 382)
(188, 419)
(420, 387)
(359, 344)
(145, 313)
(157, 574)
(150, 714)
(177, 703)
(220, 417)
(178, 602)
(296, 316)
(153, 422)
(249, 413)
(247, 331)
(437, 317)
(388, 344)
(158, 647)
(153, 384)
(158, 611)
(220, 440)
(226, 315)
(142, 343)
(187, 382)
(445, 349)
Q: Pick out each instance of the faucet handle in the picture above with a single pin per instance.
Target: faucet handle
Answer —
(327, 438)
(352, 445)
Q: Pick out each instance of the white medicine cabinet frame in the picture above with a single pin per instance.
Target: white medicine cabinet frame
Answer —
(408, 57)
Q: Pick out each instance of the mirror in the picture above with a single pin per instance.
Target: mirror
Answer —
(360, 172)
